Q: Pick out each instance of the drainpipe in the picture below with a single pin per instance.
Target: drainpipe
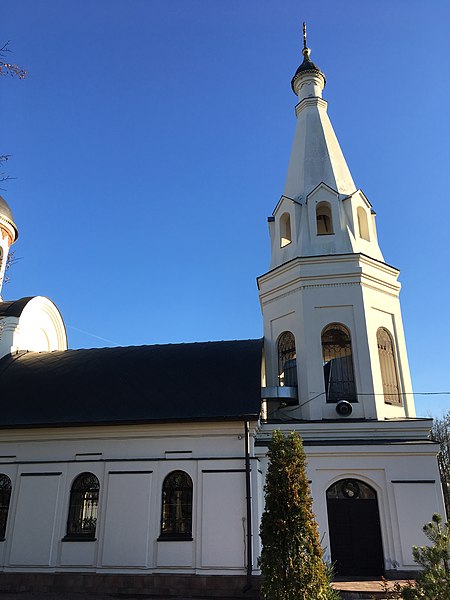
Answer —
(248, 585)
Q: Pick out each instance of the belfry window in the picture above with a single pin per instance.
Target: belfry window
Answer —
(83, 507)
(285, 230)
(324, 219)
(391, 389)
(5, 497)
(363, 224)
(287, 360)
(338, 364)
(176, 510)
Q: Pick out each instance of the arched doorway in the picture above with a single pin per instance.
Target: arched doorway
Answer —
(354, 528)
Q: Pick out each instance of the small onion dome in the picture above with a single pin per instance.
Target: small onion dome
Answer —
(307, 66)
(6, 215)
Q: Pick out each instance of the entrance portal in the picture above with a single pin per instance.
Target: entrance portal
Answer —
(354, 527)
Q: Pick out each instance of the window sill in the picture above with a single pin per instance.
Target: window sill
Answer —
(175, 537)
(78, 539)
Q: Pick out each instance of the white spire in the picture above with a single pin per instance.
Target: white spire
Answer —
(316, 156)
(321, 212)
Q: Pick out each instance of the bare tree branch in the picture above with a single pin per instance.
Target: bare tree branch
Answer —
(7, 68)
(4, 176)
(11, 260)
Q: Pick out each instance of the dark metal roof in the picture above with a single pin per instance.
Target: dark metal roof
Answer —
(14, 308)
(208, 381)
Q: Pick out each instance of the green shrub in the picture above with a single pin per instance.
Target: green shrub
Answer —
(291, 558)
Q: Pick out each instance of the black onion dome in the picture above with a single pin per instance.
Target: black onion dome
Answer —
(307, 66)
(6, 213)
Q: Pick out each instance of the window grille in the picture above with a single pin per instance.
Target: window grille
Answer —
(338, 364)
(287, 360)
(351, 489)
(388, 367)
(83, 507)
(5, 497)
(176, 513)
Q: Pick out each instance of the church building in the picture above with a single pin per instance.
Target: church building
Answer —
(142, 468)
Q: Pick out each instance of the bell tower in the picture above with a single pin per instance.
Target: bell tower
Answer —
(333, 333)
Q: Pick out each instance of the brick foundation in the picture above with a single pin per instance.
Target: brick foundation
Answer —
(158, 585)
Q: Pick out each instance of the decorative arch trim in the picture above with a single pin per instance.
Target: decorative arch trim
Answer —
(41, 313)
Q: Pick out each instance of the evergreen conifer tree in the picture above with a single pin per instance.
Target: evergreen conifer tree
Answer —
(434, 581)
(291, 558)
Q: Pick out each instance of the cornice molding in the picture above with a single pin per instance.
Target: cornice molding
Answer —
(358, 259)
(313, 101)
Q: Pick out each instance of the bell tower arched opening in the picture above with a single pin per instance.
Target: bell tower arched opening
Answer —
(285, 230)
(287, 360)
(388, 367)
(363, 224)
(338, 369)
(324, 219)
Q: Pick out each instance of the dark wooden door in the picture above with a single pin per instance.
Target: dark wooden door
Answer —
(355, 536)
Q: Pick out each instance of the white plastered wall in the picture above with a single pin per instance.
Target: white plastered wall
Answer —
(131, 463)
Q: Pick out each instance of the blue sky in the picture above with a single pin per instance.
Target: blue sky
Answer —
(151, 140)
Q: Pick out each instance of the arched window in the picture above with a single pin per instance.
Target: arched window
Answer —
(287, 360)
(338, 364)
(176, 510)
(5, 497)
(285, 230)
(388, 367)
(83, 507)
(363, 224)
(324, 219)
